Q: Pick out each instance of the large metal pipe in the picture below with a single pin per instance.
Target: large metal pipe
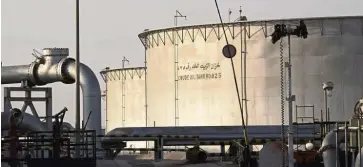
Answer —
(91, 93)
(55, 66)
(328, 148)
(30, 122)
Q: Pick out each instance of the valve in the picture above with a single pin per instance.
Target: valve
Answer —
(196, 155)
(16, 117)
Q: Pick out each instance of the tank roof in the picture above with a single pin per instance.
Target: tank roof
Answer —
(251, 23)
(121, 69)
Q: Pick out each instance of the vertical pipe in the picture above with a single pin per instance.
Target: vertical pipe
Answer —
(123, 76)
(359, 140)
(161, 148)
(156, 153)
(175, 69)
(356, 145)
(336, 146)
(7, 103)
(346, 144)
(297, 129)
(241, 39)
(223, 149)
(322, 130)
(353, 157)
(48, 106)
(106, 105)
(326, 111)
(245, 73)
(78, 112)
(146, 113)
(328, 118)
(291, 135)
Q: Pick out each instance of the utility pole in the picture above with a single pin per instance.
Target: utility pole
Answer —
(290, 99)
(281, 31)
(78, 108)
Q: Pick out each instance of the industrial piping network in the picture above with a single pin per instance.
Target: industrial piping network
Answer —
(330, 145)
(55, 66)
(328, 149)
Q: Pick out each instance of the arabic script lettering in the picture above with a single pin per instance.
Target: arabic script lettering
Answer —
(202, 66)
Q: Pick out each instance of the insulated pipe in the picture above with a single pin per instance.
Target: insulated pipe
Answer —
(328, 148)
(54, 66)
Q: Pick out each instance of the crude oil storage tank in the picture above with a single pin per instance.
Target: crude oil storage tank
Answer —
(190, 82)
(125, 97)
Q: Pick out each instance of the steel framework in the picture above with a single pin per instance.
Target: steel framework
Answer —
(28, 101)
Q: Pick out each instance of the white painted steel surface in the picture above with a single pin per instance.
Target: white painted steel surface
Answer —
(125, 98)
(333, 51)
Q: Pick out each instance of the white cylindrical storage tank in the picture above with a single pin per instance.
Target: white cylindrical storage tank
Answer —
(125, 97)
(190, 82)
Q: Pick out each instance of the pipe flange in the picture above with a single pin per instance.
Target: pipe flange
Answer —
(63, 70)
(33, 74)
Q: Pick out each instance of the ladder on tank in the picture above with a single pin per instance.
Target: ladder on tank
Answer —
(305, 119)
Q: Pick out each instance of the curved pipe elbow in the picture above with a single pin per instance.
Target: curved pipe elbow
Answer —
(91, 94)
(63, 69)
(328, 148)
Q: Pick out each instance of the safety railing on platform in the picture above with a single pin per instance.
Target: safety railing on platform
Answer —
(46, 145)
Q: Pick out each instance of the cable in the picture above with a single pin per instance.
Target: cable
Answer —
(236, 85)
(282, 102)
(234, 76)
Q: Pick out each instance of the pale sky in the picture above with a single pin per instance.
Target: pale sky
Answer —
(109, 28)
